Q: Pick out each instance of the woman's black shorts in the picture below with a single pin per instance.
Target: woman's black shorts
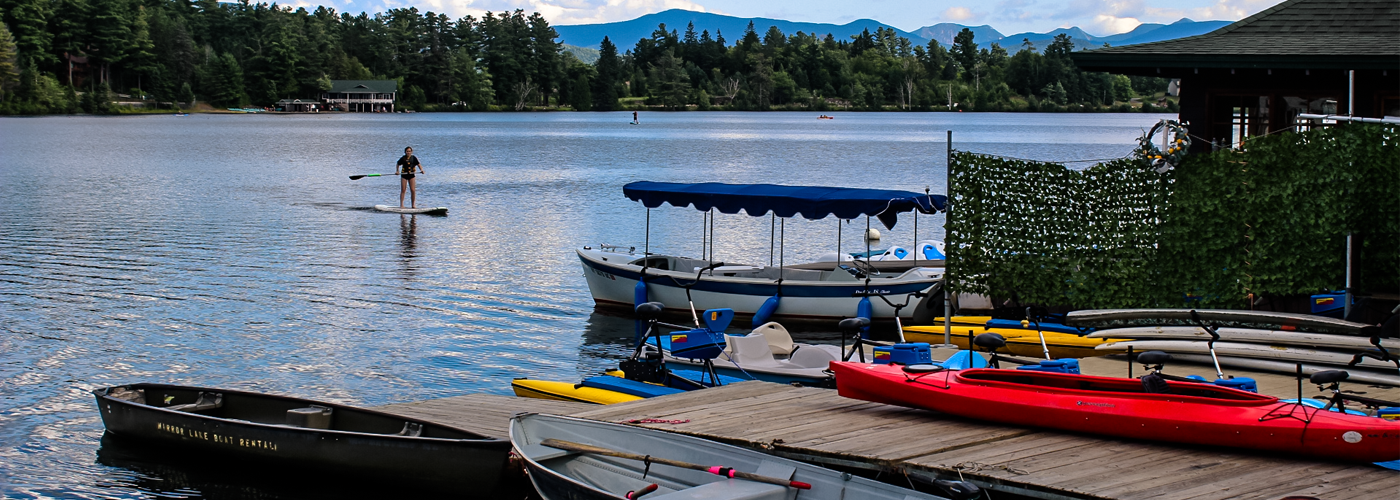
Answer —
(406, 176)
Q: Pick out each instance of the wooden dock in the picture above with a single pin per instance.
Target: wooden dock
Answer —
(818, 426)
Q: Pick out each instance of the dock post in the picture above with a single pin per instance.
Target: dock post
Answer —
(948, 213)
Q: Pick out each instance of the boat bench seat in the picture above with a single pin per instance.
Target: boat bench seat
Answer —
(206, 401)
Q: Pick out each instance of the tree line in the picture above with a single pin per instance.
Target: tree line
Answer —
(63, 56)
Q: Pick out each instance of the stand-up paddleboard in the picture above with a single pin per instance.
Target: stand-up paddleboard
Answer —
(424, 211)
(1290, 368)
(1114, 318)
(1257, 351)
(1248, 335)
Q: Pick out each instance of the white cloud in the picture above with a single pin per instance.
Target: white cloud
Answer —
(1110, 25)
(960, 14)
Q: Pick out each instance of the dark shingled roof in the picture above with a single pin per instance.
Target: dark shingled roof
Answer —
(1304, 34)
(375, 86)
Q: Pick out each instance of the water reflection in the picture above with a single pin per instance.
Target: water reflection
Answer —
(408, 243)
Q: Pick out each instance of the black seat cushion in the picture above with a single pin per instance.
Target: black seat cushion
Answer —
(991, 341)
(1329, 376)
(1154, 358)
(650, 310)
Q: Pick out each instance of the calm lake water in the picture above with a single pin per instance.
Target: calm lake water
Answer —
(233, 251)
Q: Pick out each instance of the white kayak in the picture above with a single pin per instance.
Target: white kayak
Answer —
(1258, 351)
(1285, 367)
(1114, 318)
(425, 211)
(1247, 335)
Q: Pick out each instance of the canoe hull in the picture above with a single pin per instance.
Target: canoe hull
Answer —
(560, 475)
(437, 463)
(1111, 408)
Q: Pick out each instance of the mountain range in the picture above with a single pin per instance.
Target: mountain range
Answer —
(626, 33)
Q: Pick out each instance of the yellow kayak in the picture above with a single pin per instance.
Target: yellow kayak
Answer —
(1019, 342)
(565, 391)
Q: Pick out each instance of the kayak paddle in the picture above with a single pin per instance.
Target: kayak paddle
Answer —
(361, 176)
(717, 470)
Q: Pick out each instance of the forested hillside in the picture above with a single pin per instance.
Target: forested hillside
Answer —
(64, 56)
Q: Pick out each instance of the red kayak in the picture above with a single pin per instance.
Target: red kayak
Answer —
(1194, 413)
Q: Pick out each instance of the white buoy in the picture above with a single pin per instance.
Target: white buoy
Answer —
(872, 234)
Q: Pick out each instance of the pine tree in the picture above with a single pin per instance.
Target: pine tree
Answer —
(580, 97)
(9, 60)
(605, 85)
(29, 20)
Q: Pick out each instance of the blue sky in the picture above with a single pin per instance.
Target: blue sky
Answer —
(1098, 17)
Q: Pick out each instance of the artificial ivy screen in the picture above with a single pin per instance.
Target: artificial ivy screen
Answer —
(1269, 219)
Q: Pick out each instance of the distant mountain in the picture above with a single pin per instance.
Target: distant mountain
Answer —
(945, 32)
(625, 34)
(1144, 33)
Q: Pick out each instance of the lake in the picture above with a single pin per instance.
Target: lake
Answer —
(233, 251)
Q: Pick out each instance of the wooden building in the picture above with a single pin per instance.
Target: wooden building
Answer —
(1334, 57)
(362, 95)
(299, 106)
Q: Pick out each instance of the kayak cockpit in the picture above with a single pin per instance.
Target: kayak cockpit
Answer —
(1068, 382)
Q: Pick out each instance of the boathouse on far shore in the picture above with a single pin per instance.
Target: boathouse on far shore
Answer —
(362, 95)
(1255, 76)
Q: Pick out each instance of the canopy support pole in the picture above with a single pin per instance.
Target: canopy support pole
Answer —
(782, 238)
(646, 246)
(772, 236)
(838, 242)
(948, 214)
(867, 238)
(916, 238)
(712, 240)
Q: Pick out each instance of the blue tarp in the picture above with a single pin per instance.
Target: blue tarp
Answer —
(812, 202)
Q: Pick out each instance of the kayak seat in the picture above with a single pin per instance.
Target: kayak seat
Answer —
(779, 340)
(1153, 383)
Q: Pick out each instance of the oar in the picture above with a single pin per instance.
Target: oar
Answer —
(361, 176)
(717, 469)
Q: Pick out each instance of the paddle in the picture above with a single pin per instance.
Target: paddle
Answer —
(361, 176)
(717, 469)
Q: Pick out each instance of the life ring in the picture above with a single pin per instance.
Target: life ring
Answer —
(1178, 142)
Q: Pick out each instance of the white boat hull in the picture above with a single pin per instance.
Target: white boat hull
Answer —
(613, 281)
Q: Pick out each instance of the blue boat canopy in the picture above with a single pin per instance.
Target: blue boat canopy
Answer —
(812, 202)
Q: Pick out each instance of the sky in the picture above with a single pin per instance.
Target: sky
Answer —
(1098, 17)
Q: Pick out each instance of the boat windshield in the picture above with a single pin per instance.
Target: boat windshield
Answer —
(1106, 384)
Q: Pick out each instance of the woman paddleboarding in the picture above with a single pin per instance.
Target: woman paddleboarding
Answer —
(405, 171)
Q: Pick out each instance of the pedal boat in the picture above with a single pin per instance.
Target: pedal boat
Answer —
(1189, 413)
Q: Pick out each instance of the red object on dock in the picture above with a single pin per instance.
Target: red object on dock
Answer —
(1193, 413)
